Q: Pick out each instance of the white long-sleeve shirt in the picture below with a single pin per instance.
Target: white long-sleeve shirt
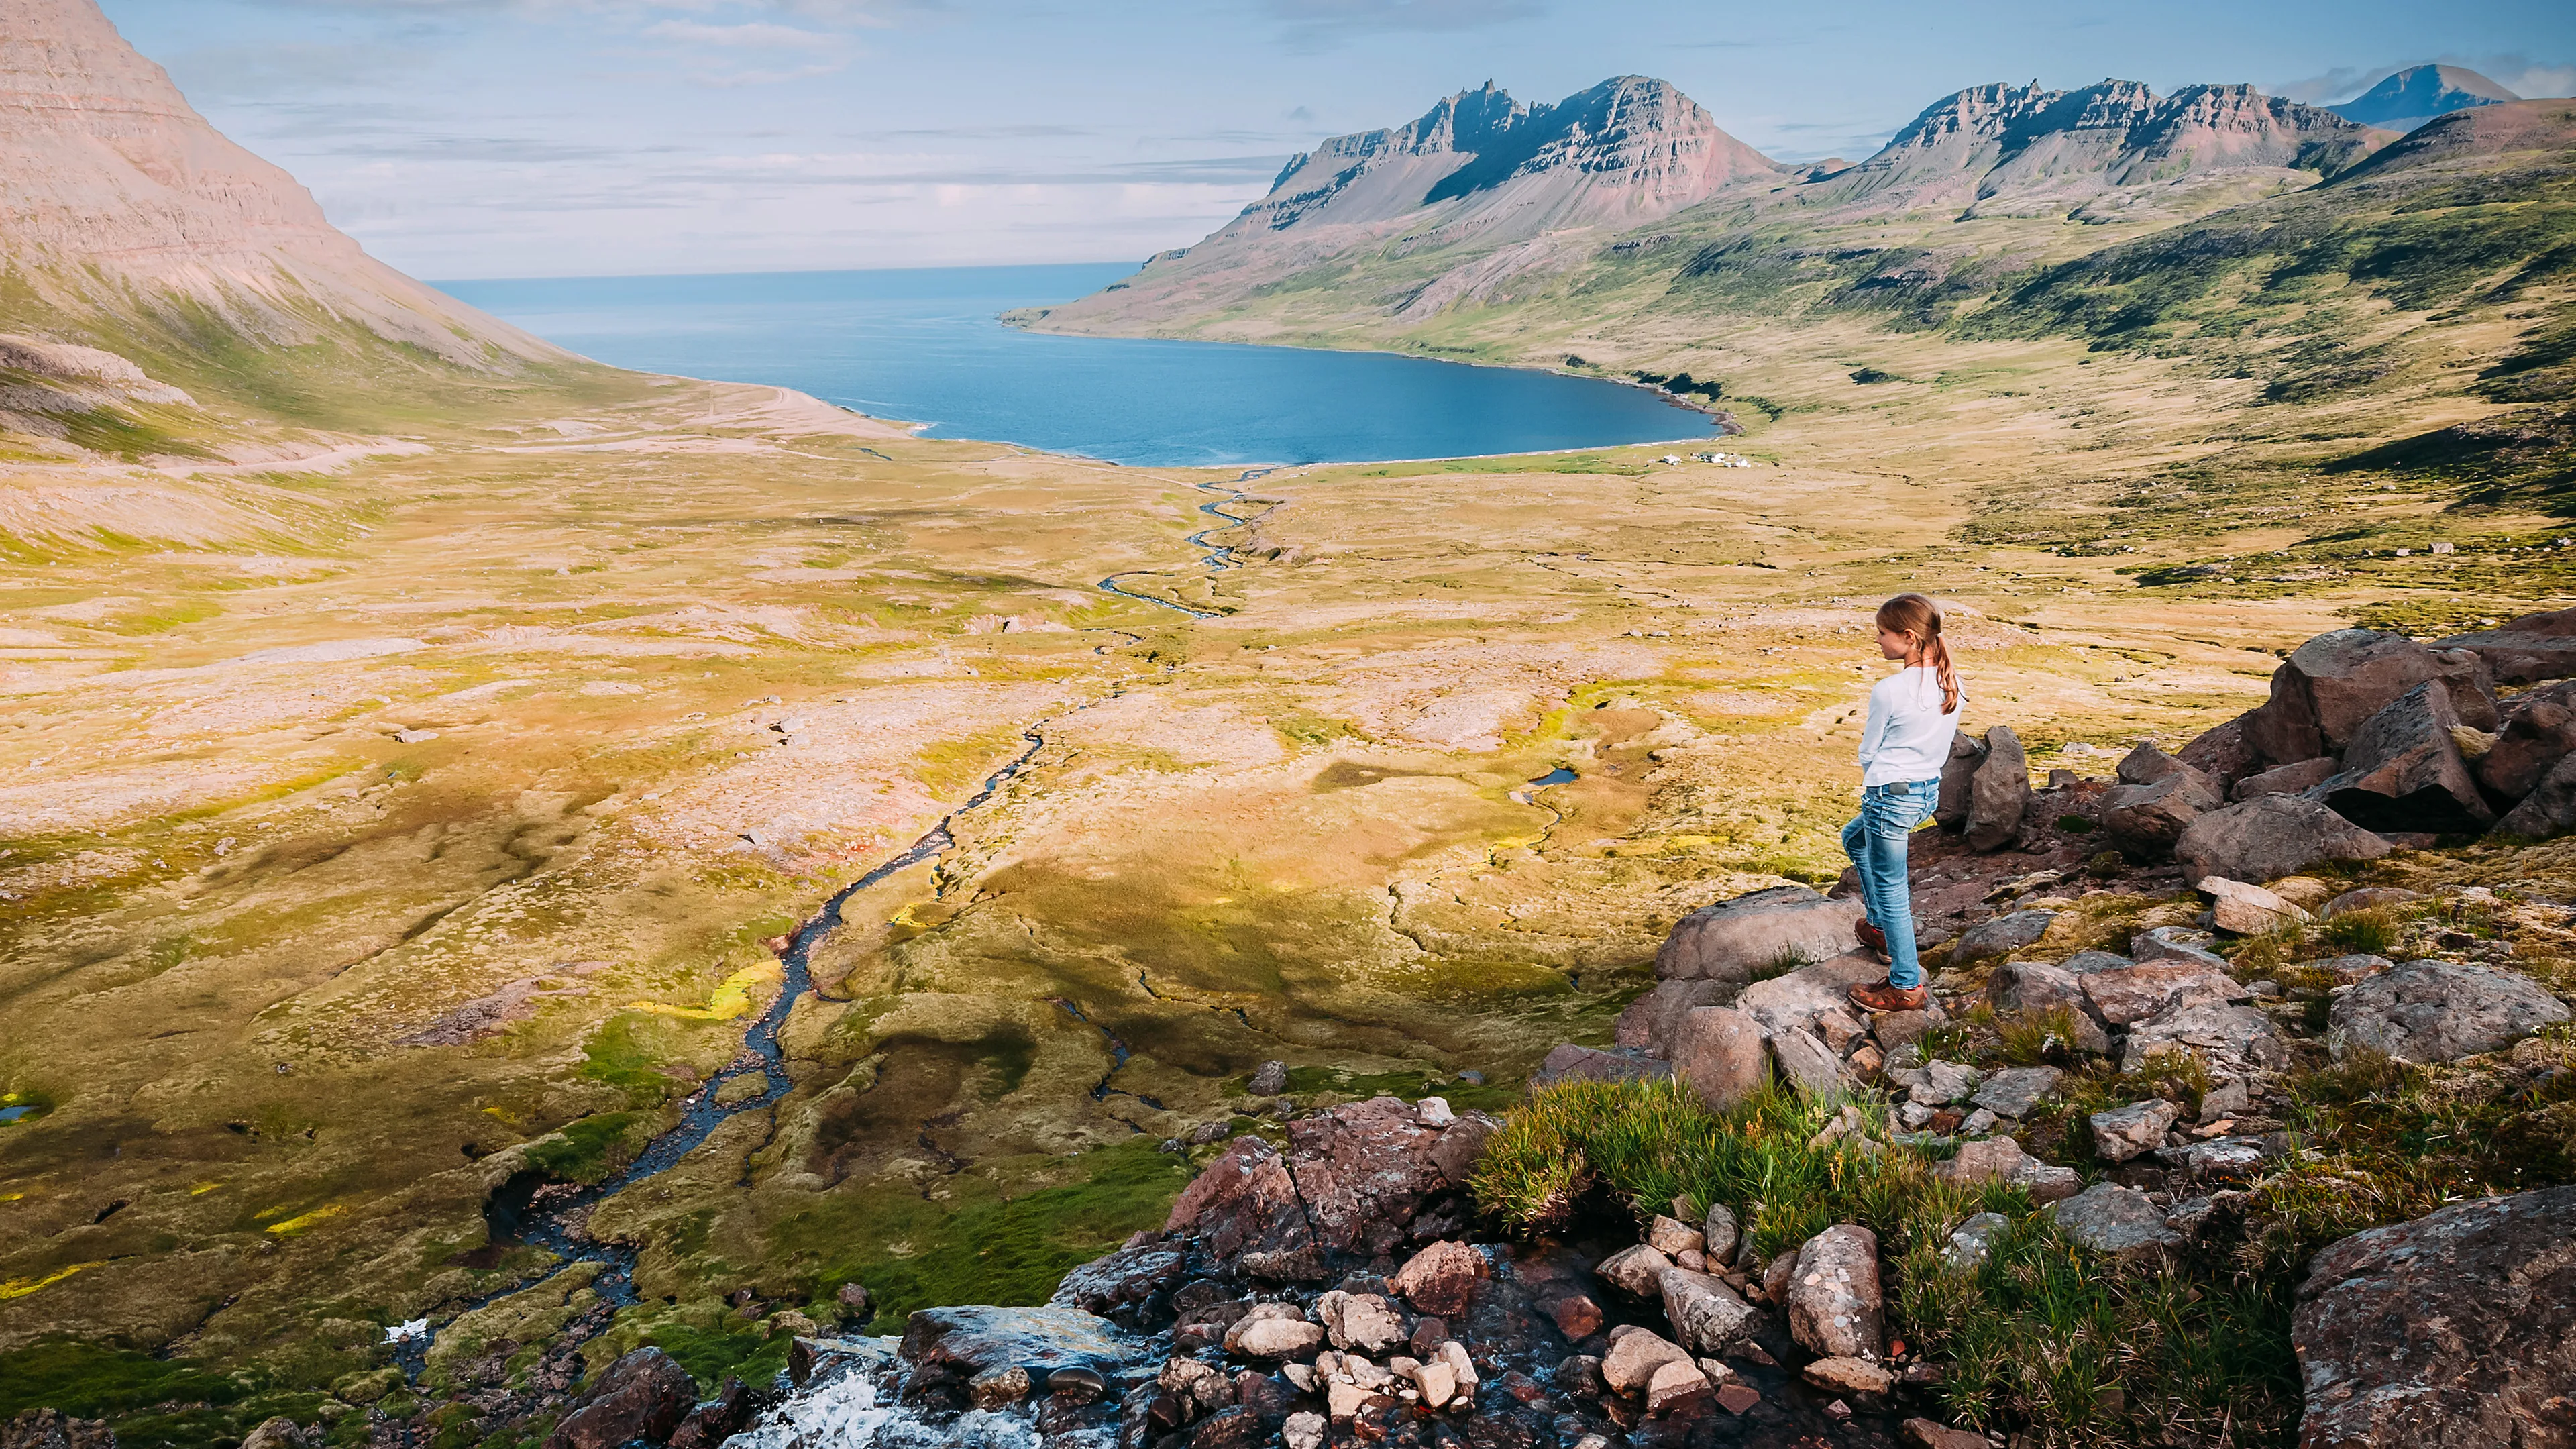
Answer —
(1907, 737)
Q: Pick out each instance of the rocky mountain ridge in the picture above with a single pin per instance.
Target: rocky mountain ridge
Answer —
(2420, 93)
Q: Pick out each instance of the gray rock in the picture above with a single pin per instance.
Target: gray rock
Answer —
(2439, 1011)
(1728, 940)
(1635, 1356)
(2351, 969)
(1570, 1063)
(2221, 1159)
(2549, 810)
(1706, 1316)
(1721, 1233)
(2230, 1040)
(1807, 1062)
(2046, 1183)
(1999, 937)
(2134, 1130)
(2269, 837)
(1835, 1307)
(1999, 793)
(2524, 650)
(2119, 1221)
(2013, 1091)
(1945, 1082)
(1650, 1020)
(2177, 943)
(2035, 988)
(1973, 1241)
(2368, 898)
(2085, 963)
(2287, 779)
(1639, 1270)
(1996, 1159)
(2329, 686)
(2159, 795)
(2134, 993)
(1958, 776)
(2226, 1097)
(1717, 1052)
(1360, 1322)
(1801, 999)
(2403, 770)
(1269, 1080)
(2452, 1331)
(2240, 909)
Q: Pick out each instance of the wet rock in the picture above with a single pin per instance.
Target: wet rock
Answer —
(2132, 1131)
(2295, 779)
(2013, 1091)
(1958, 782)
(1718, 1053)
(1269, 1079)
(1233, 1428)
(1442, 1279)
(1998, 793)
(2269, 837)
(1728, 940)
(2230, 1040)
(1971, 1242)
(2157, 797)
(1720, 1232)
(643, 1395)
(1365, 1172)
(1571, 1063)
(1274, 1331)
(2177, 943)
(713, 1422)
(2455, 1329)
(1835, 1307)
(1130, 1286)
(1856, 1376)
(2524, 650)
(1677, 1390)
(1651, 1021)
(2330, 686)
(2403, 770)
(2439, 1011)
(1359, 1322)
(2119, 1221)
(1999, 937)
(2119, 998)
(1634, 1356)
(2248, 910)
(1705, 1314)
(1638, 1271)
(2549, 810)
(1435, 1383)
(1575, 1315)
(2535, 735)
(1244, 1208)
(1078, 1385)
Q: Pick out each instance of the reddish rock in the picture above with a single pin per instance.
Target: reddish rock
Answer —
(1442, 1279)
(2522, 651)
(2403, 770)
(2225, 754)
(1736, 1398)
(1927, 1434)
(1574, 1314)
(1999, 793)
(2157, 797)
(2323, 692)
(2549, 810)
(2295, 779)
(2535, 737)
(1650, 1021)
(1717, 1052)
(1243, 1207)
(643, 1395)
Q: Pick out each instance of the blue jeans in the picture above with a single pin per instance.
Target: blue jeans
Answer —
(1875, 841)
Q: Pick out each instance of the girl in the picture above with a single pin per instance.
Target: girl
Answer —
(1913, 714)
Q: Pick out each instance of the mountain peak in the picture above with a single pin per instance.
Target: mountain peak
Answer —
(2418, 93)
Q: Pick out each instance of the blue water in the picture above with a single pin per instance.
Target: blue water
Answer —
(923, 346)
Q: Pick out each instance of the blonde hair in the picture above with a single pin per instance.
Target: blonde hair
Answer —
(1919, 620)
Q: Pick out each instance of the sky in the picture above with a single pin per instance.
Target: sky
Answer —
(522, 138)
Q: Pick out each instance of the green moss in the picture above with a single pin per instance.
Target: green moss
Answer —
(590, 1149)
(90, 1380)
(626, 1051)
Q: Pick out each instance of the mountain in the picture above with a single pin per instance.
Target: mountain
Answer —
(2418, 93)
(122, 209)
(1484, 202)
(1477, 173)
(1998, 146)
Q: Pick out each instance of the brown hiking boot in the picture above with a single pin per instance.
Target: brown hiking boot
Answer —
(1871, 938)
(1886, 996)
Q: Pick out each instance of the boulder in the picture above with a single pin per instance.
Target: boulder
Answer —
(2323, 692)
(2457, 1329)
(643, 1395)
(1958, 777)
(2085, 963)
(2134, 993)
(2439, 1011)
(1999, 937)
(2229, 1040)
(2271, 836)
(1441, 1279)
(1807, 1063)
(1706, 1315)
(1835, 1307)
(1803, 998)
(1243, 1207)
(2472, 687)
(2158, 796)
(1637, 1271)
(1728, 940)
(1995, 1159)
(1650, 1021)
(2296, 779)
(1634, 1356)
(1717, 1052)
(2119, 1221)
(2403, 770)
(2225, 754)
(2525, 650)
(1128, 1286)
(2177, 943)
(2248, 910)
(1998, 793)
(2132, 1131)
(2535, 737)
(2549, 810)
(1570, 1063)
(2013, 1091)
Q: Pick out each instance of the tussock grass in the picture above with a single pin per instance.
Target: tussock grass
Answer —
(2044, 1339)
(2367, 933)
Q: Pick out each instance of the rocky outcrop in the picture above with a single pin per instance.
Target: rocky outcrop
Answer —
(2417, 94)
(643, 1395)
(2457, 1329)
(2269, 837)
(2329, 686)
(2157, 798)
(2526, 650)
(2402, 770)
(2439, 1011)
(1730, 940)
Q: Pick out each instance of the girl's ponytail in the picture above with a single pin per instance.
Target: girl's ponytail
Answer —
(1919, 619)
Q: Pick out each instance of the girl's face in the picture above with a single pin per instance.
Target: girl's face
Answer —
(1892, 645)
